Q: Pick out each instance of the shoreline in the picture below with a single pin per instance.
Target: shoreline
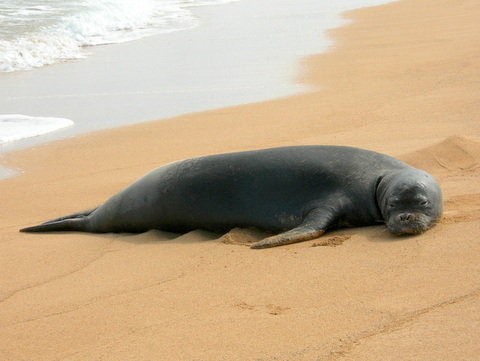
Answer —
(170, 74)
(400, 80)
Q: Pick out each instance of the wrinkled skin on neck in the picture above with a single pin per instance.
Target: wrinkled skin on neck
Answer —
(410, 201)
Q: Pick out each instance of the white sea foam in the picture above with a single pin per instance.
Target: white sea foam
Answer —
(34, 34)
(15, 126)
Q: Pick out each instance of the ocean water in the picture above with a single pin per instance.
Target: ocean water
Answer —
(16, 126)
(244, 52)
(36, 33)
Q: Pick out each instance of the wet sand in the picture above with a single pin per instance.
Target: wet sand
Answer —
(402, 79)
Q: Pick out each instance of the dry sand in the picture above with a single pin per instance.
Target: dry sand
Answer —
(403, 79)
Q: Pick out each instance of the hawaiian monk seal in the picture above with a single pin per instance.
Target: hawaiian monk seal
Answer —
(299, 192)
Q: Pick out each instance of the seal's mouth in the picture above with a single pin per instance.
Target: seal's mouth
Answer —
(408, 223)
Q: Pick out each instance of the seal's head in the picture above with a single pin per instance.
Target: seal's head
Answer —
(410, 201)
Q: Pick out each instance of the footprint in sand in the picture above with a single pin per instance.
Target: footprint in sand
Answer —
(333, 241)
(270, 308)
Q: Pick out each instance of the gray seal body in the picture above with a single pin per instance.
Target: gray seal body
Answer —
(299, 192)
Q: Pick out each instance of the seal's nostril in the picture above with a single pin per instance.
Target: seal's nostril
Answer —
(405, 217)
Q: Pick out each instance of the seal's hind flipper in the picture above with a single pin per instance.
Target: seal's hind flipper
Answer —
(73, 222)
(71, 216)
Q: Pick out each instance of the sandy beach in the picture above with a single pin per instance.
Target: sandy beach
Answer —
(401, 79)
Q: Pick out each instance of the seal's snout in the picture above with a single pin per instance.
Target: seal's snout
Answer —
(408, 223)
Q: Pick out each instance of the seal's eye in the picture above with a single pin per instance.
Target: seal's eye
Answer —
(424, 202)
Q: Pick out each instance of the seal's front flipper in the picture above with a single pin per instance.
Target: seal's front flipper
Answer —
(313, 226)
(299, 234)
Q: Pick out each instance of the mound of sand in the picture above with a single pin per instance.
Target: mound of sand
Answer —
(456, 153)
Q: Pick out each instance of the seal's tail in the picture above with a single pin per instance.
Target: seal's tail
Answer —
(72, 222)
